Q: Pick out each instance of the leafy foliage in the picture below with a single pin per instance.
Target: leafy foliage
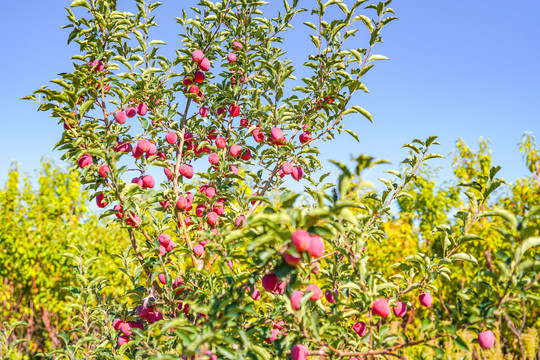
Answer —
(200, 247)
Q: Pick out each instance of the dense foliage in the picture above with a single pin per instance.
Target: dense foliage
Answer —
(41, 220)
(218, 267)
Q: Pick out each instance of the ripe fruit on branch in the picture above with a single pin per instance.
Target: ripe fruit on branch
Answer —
(425, 299)
(117, 323)
(131, 111)
(168, 173)
(187, 80)
(287, 168)
(122, 147)
(317, 292)
(240, 221)
(360, 328)
(137, 180)
(143, 145)
(197, 56)
(221, 142)
(213, 159)
(119, 211)
(210, 191)
(400, 309)
(194, 89)
(162, 279)
(258, 135)
(213, 218)
(198, 250)
(329, 295)
(269, 282)
(126, 329)
(234, 110)
(164, 240)
(273, 337)
(142, 108)
(148, 181)
(204, 65)
(212, 134)
(231, 57)
(305, 137)
(85, 160)
(316, 247)
(295, 299)
(299, 352)
(380, 307)
(120, 117)
(100, 200)
(291, 259)
(235, 150)
(203, 111)
(247, 155)
(297, 173)
(199, 77)
(104, 170)
(486, 339)
(301, 239)
(237, 45)
(277, 135)
(171, 137)
(123, 339)
(256, 294)
(186, 171)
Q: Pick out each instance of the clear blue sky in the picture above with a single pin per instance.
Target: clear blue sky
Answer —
(466, 69)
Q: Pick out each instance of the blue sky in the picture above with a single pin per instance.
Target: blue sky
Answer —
(457, 69)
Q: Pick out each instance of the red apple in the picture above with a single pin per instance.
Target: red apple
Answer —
(269, 282)
(171, 137)
(299, 352)
(235, 150)
(100, 200)
(120, 117)
(301, 239)
(292, 260)
(204, 65)
(295, 299)
(85, 160)
(186, 171)
(400, 309)
(297, 173)
(425, 299)
(199, 77)
(142, 108)
(486, 339)
(360, 328)
(104, 170)
(317, 292)
(131, 111)
(198, 250)
(316, 247)
(381, 308)
(197, 56)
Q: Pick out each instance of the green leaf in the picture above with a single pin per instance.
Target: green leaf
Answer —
(463, 257)
(506, 215)
(377, 57)
(81, 3)
(150, 70)
(461, 344)
(358, 109)
(350, 132)
(157, 42)
(526, 245)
